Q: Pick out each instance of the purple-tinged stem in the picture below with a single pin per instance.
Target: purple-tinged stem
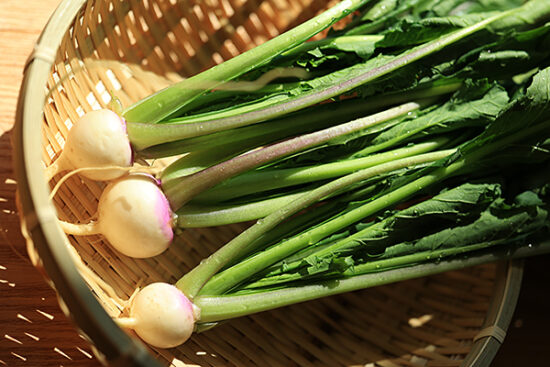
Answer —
(185, 189)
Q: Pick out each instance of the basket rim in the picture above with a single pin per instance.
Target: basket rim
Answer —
(38, 215)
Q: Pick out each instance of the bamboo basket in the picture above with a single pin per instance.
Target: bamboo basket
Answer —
(132, 48)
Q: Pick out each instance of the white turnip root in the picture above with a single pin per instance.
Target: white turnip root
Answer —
(133, 215)
(99, 139)
(161, 315)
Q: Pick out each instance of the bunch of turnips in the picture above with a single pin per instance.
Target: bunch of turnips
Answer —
(415, 133)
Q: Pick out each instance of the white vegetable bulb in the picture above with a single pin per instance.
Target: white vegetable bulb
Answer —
(98, 139)
(135, 216)
(162, 315)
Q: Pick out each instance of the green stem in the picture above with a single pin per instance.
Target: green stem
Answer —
(194, 216)
(144, 135)
(314, 118)
(188, 187)
(319, 116)
(216, 215)
(213, 97)
(196, 161)
(376, 266)
(419, 257)
(355, 28)
(231, 112)
(192, 282)
(290, 227)
(270, 179)
(162, 104)
(229, 278)
(398, 139)
(251, 136)
(217, 308)
(334, 42)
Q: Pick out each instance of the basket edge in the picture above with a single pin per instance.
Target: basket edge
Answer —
(499, 316)
(111, 345)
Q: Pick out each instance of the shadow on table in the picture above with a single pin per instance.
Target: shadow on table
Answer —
(36, 333)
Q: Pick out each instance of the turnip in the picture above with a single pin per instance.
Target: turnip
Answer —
(97, 140)
(161, 315)
(133, 215)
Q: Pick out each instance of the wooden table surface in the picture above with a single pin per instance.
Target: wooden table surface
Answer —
(34, 332)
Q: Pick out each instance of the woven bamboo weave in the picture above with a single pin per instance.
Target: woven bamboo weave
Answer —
(132, 48)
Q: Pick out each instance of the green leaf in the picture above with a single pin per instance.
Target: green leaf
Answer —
(500, 222)
(415, 31)
(527, 108)
(475, 214)
(476, 104)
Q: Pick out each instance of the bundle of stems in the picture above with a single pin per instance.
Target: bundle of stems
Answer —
(409, 142)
